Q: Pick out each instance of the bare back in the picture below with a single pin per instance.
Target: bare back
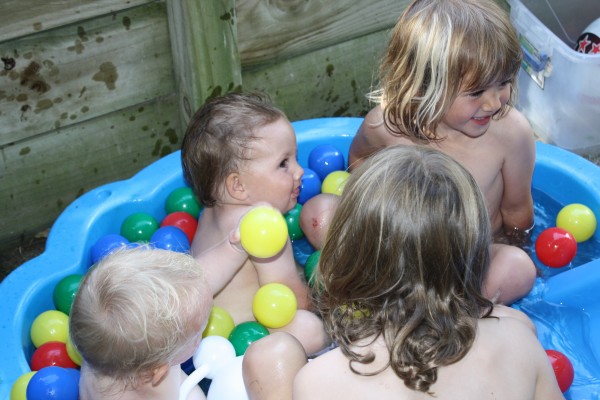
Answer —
(505, 362)
(501, 161)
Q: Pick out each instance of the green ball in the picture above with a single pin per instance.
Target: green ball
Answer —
(292, 219)
(139, 227)
(64, 292)
(310, 265)
(244, 334)
(183, 199)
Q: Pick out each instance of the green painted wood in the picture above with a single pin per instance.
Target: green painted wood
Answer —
(274, 30)
(329, 82)
(205, 55)
(24, 17)
(42, 176)
(83, 71)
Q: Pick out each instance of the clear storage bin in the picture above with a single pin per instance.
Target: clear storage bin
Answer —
(559, 88)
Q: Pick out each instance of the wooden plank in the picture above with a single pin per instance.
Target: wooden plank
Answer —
(205, 55)
(24, 17)
(330, 82)
(78, 72)
(42, 176)
(279, 29)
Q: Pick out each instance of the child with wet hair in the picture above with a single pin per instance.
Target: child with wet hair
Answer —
(139, 313)
(399, 286)
(447, 80)
(239, 151)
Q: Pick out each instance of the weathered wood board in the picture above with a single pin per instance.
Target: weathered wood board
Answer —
(81, 71)
(330, 82)
(279, 29)
(23, 17)
(42, 176)
(83, 105)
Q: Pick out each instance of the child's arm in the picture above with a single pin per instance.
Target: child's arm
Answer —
(517, 172)
(282, 269)
(225, 259)
(368, 139)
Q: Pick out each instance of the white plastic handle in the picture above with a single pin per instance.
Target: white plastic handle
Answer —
(192, 380)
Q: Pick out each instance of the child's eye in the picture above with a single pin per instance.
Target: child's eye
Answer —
(284, 163)
(476, 93)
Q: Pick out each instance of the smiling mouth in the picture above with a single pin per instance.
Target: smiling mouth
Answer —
(481, 120)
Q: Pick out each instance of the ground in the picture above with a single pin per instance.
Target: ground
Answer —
(12, 258)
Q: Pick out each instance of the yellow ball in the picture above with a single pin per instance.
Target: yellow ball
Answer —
(50, 326)
(19, 388)
(274, 305)
(579, 220)
(220, 323)
(72, 352)
(263, 232)
(334, 182)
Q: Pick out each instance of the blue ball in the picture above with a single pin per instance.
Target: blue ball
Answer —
(324, 159)
(106, 245)
(170, 238)
(54, 383)
(310, 186)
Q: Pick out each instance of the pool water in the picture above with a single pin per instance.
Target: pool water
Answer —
(545, 211)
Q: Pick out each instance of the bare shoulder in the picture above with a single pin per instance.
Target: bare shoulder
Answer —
(502, 311)
(515, 127)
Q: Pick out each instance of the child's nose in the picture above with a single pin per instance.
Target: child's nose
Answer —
(493, 100)
(299, 172)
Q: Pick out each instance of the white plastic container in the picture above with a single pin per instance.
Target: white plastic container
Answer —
(559, 88)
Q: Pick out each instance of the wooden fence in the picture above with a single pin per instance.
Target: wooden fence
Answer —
(93, 91)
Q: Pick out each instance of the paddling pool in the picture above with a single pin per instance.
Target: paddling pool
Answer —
(564, 304)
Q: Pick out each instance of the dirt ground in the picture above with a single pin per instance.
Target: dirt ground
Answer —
(12, 258)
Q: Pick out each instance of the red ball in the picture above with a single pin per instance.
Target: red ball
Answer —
(182, 220)
(563, 369)
(555, 247)
(51, 354)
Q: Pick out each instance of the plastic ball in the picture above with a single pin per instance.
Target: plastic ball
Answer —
(73, 352)
(183, 199)
(324, 159)
(220, 323)
(310, 186)
(274, 305)
(64, 292)
(54, 383)
(18, 390)
(170, 238)
(139, 227)
(292, 219)
(577, 219)
(107, 245)
(182, 220)
(309, 267)
(244, 334)
(215, 352)
(263, 232)
(563, 369)
(51, 353)
(555, 247)
(334, 182)
(49, 326)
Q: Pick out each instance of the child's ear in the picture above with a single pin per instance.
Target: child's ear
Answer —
(159, 373)
(235, 187)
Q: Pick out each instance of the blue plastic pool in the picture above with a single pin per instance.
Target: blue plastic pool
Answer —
(565, 304)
